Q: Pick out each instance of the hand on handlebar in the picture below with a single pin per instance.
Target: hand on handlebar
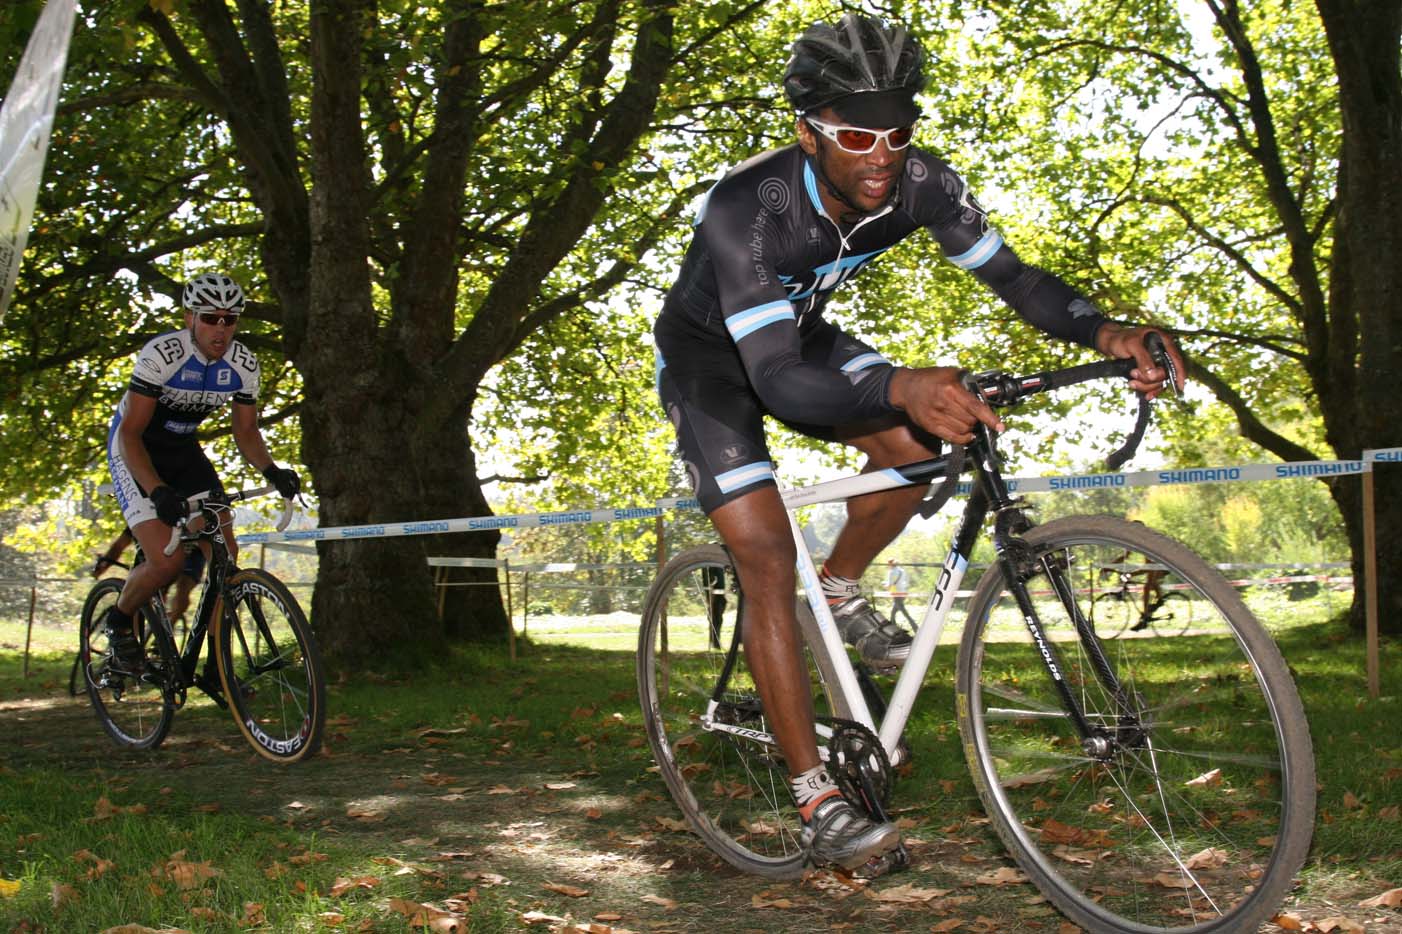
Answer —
(285, 479)
(1148, 376)
(170, 505)
(936, 400)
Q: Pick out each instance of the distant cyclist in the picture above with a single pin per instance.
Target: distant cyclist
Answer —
(741, 335)
(155, 458)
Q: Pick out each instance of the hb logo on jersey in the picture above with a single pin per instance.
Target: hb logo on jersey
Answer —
(827, 277)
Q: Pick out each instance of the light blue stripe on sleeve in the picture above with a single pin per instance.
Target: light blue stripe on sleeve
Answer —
(733, 480)
(863, 361)
(980, 252)
(752, 319)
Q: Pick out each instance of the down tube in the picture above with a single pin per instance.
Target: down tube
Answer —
(922, 649)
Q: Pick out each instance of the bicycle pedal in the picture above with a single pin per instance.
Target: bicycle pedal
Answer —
(884, 865)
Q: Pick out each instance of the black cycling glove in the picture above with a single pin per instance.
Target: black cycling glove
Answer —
(170, 505)
(285, 479)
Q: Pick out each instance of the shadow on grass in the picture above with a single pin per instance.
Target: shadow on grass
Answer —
(499, 789)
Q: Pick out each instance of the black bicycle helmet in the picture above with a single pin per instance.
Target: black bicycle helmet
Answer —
(857, 55)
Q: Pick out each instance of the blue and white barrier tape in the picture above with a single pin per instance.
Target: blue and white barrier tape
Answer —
(1242, 472)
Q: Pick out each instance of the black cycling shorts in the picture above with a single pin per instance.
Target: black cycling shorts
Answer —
(718, 418)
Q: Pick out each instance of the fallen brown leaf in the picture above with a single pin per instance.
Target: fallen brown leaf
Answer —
(906, 894)
(420, 916)
(253, 915)
(540, 917)
(1172, 880)
(1210, 858)
(1392, 898)
(342, 885)
(189, 875)
(573, 891)
(1003, 875)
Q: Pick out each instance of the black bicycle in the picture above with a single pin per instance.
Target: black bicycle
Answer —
(263, 664)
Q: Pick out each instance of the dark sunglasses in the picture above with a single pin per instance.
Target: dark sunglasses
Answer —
(861, 141)
(213, 319)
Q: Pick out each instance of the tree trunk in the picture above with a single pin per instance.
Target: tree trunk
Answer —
(474, 612)
(1366, 278)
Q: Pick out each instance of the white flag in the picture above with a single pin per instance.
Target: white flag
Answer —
(25, 121)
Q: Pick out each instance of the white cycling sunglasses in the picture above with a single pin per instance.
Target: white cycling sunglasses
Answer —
(860, 140)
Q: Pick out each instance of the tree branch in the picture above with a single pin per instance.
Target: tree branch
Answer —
(1252, 428)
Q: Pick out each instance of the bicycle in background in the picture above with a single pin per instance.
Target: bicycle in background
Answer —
(1143, 785)
(262, 665)
(1133, 605)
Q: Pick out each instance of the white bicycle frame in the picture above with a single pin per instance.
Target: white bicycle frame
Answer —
(825, 642)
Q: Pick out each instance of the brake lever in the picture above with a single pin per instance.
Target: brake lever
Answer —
(1158, 351)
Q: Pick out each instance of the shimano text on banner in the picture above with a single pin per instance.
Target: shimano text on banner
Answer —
(25, 121)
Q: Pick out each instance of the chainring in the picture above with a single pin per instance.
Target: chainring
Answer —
(859, 766)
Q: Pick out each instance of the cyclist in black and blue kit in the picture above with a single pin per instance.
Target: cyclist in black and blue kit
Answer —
(154, 456)
(741, 335)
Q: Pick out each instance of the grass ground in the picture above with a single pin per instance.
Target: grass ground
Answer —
(521, 796)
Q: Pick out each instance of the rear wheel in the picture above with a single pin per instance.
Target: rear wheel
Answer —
(269, 667)
(1191, 805)
(733, 790)
(1112, 612)
(135, 708)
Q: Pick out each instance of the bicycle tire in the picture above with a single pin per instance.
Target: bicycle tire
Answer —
(270, 667)
(1112, 612)
(1174, 617)
(733, 791)
(1199, 823)
(136, 711)
(102, 595)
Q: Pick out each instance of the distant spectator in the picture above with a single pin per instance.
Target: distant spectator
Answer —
(898, 584)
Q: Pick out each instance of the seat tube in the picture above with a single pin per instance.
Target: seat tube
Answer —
(831, 645)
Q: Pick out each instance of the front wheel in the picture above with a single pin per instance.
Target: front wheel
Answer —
(269, 667)
(1191, 804)
(135, 708)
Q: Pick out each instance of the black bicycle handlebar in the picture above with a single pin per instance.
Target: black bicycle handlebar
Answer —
(999, 388)
(201, 502)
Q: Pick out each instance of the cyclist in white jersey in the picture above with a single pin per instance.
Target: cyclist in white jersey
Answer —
(153, 453)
